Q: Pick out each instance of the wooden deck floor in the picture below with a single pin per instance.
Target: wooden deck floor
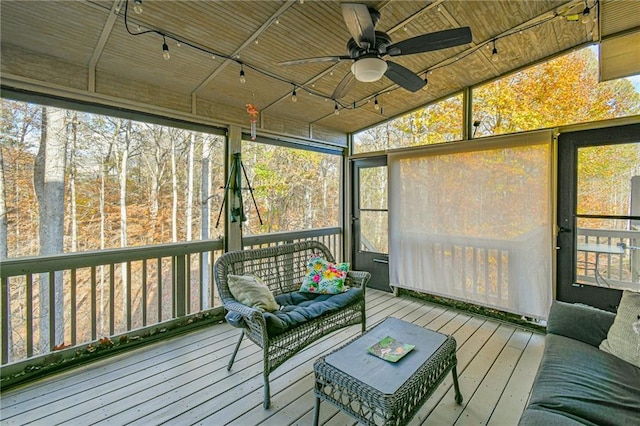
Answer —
(184, 381)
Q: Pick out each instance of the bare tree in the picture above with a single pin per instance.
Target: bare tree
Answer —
(205, 203)
(190, 171)
(48, 176)
(72, 130)
(3, 211)
(174, 192)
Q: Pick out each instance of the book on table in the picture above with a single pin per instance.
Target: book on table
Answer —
(390, 349)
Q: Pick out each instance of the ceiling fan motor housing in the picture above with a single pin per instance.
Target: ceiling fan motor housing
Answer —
(382, 41)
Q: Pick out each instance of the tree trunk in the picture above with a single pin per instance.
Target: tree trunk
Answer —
(48, 176)
(190, 171)
(72, 181)
(123, 214)
(204, 232)
(174, 191)
(3, 212)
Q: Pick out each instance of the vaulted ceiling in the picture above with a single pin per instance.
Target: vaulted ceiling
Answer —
(85, 49)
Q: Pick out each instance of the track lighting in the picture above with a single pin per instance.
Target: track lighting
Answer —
(376, 105)
(137, 8)
(336, 111)
(294, 98)
(165, 49)
(426, 81)
(242, 77)
(277, 21)
(494, 53)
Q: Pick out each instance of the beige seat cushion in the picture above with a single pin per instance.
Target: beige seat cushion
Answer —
(252, 291)
(623, 339)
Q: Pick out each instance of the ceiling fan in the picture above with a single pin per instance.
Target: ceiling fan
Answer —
(368, 49)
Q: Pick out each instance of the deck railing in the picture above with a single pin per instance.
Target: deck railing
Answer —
(608, 258)
(111, 292)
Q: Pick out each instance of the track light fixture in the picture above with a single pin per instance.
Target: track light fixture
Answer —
(165, 49)
(336, 110)
(137, 8)
(242, 77)
(426, 81)
(494, 53)
(294, 98)
(376, 105)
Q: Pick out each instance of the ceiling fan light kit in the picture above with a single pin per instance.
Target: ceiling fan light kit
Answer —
(368, 70)
(369, 50)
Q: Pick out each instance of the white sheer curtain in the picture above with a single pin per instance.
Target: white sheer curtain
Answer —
(472, 221)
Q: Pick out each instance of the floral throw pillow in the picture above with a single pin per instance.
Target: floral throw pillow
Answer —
(325, 277)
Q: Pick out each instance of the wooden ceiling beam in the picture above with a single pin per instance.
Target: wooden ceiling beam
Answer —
(102, 41)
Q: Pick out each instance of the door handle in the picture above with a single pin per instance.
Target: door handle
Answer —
(381, 261)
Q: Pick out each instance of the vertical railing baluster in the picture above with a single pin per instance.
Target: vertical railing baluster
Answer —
(177, 289)
(112, 298)
(6, 306)
(159, 289)
(188, 283)
(73, 306)
(201, 273)
(212, 286)
(499, 272)
(144, 292)
(52, 310)
(129, 304)
(94, 308)
(29, 305)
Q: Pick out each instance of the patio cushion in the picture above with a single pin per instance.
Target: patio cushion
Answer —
(324, 277)
(580, 383)
(299, 307)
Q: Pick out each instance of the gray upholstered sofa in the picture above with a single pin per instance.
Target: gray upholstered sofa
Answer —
(577, 383)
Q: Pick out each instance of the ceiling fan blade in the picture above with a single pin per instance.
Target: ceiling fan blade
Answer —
(344, 86)
(312, 60)
(432, 41)
(360, 25)
(404, 77)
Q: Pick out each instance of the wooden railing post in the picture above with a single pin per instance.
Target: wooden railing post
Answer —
(180, 286)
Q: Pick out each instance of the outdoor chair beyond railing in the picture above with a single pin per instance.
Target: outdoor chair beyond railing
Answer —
(282, 268)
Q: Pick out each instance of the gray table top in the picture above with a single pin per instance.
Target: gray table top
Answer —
(385, 376)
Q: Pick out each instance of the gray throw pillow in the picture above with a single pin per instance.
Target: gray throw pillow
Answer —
(623, 339)
(252, 291)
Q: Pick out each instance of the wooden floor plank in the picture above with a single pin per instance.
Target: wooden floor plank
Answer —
(447, 411)
(184, 380)
(486, 397)
(516, 393)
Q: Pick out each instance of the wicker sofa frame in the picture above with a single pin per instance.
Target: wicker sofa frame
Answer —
(283, 268)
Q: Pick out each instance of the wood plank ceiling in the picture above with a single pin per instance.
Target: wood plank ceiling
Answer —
(84, 47)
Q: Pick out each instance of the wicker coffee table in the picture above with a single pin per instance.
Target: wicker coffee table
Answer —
(375, 391)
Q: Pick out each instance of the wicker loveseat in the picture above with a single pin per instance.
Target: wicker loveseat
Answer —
(303, 317)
